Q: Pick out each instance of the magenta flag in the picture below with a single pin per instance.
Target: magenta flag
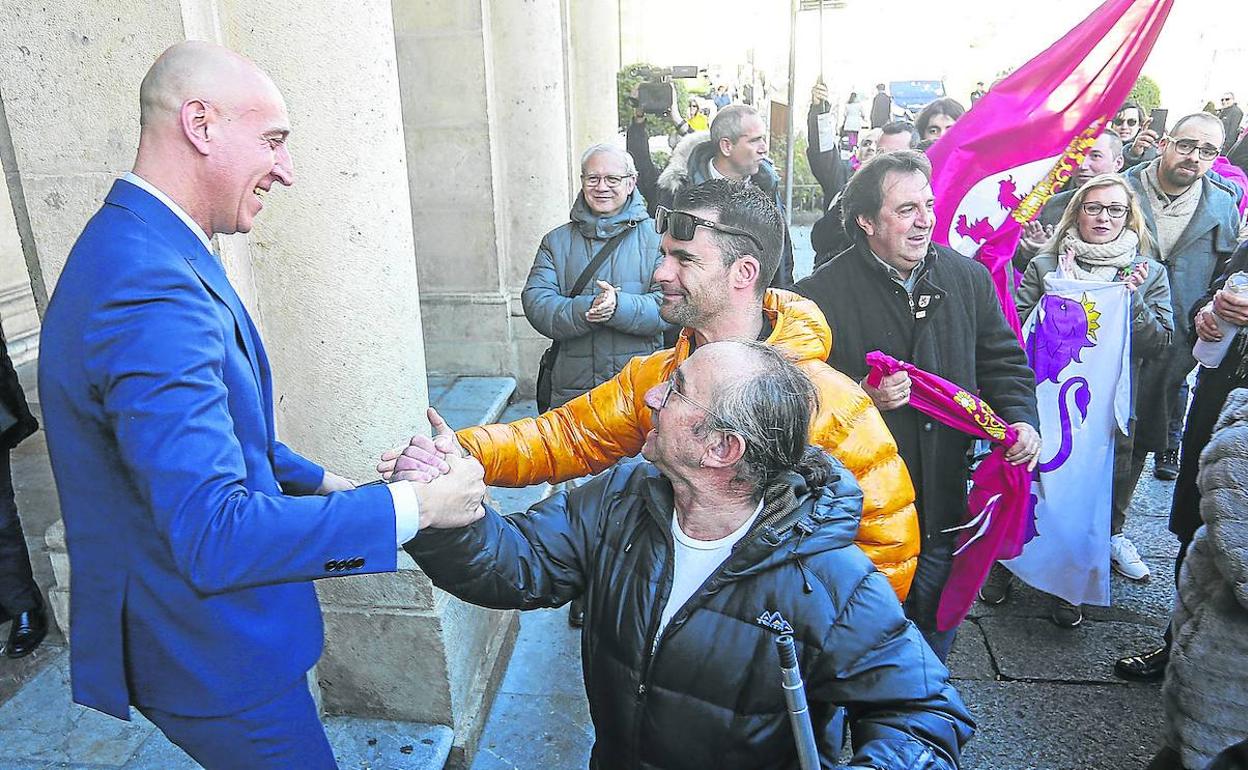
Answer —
(1235, 174)
(999, 506)
(995, 168)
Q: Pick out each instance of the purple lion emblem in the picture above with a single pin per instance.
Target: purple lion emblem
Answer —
(1059, 338)
(1007, 194)
(1065, 328)
(979, 230)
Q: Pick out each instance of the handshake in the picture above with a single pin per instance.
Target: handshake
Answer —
(449, 483)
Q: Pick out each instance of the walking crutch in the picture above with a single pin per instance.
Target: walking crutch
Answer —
(795, 698)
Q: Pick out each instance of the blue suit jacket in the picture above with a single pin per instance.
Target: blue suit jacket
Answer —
(192, 551)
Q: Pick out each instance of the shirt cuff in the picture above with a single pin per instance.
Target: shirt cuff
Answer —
(406, 511)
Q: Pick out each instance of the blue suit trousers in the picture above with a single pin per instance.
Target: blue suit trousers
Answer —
(282, 734)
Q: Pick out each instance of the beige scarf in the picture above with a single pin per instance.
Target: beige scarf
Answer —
(1102, 261)
(1170, 217)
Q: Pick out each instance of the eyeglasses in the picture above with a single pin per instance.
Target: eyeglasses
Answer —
(1187, 147)
(683, 226)
(671, 390)
(1115, 210)
(1128, 122)
(613, 181)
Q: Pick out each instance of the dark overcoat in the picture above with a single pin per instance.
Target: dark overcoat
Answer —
(955, 329)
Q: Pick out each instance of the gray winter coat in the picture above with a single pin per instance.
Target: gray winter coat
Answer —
(1196, 259)
(1206, 691)
(592, 353)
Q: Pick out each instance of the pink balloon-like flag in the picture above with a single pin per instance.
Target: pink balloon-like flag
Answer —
(999, 507)
(995, 168)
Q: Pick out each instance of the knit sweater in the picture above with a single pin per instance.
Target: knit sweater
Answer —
(1172, 214)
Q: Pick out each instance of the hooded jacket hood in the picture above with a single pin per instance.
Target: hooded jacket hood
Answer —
(600, 227)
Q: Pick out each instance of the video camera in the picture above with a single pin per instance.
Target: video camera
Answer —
(654, 94)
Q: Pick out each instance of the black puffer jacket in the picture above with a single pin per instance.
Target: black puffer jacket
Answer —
(709, 696)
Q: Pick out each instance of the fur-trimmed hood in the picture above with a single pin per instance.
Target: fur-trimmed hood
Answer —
(689, 161)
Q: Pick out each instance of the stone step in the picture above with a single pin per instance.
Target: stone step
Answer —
(466, 401)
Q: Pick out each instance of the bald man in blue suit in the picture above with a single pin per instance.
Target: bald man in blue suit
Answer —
(193, 533)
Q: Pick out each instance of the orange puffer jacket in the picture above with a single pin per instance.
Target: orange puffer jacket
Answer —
(592, 432)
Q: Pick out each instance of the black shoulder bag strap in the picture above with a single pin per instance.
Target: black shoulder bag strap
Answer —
(546, 367)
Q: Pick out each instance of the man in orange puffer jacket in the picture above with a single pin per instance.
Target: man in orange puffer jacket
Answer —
(721, 247)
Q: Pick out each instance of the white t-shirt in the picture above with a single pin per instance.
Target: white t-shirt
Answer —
(695, 561)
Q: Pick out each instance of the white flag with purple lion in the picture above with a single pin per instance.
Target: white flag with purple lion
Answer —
(1078, 341)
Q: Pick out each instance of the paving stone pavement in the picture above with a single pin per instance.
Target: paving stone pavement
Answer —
(41, 729)
(1044, 698)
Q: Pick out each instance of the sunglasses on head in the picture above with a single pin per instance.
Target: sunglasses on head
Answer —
(683, 226)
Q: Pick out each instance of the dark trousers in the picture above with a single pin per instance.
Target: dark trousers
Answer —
(18, 592)
(1178, 567)
(1128, 465)
(935, 563)
(1178, 410)
(281, 734)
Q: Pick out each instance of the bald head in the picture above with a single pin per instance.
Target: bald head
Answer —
(196, 70)
(213, 135)
(764, 398)
(1209, 121)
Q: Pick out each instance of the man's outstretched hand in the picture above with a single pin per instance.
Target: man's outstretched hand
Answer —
(424, 458)
(454, 499)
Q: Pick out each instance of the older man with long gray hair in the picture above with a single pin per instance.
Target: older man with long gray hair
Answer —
(734, 531)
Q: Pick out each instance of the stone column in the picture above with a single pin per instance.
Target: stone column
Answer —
(332, 257)
(69, 79)
(485, 110)
(335, 268)
(443, 63)
(593, 61)
(69, 123)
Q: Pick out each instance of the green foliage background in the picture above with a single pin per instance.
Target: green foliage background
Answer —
(1146, 93)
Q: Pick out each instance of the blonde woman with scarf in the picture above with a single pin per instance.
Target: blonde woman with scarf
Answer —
(1102, 236)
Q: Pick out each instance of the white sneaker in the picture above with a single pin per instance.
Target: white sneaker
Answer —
(1125, 559)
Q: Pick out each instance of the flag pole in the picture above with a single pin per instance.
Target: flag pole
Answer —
(788, 145)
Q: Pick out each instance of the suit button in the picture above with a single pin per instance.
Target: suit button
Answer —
(927, 426)
(357, 562)
(331, 565)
